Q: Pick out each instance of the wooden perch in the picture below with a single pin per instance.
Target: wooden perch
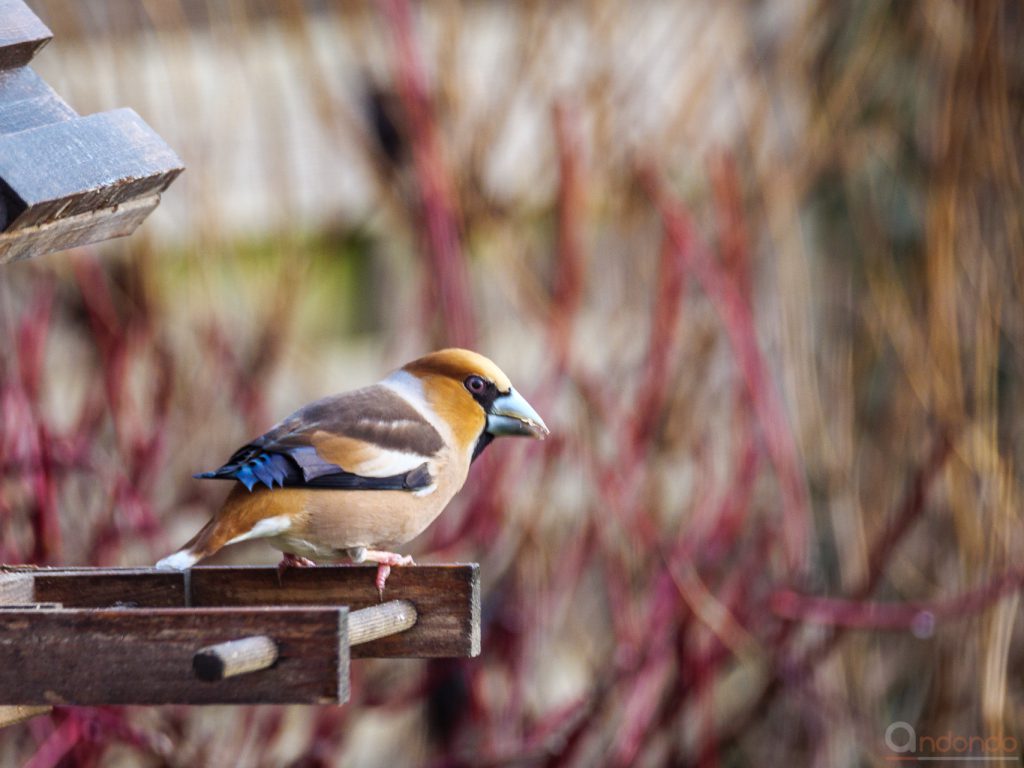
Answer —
(67, 180)
(219, 634)
(252, 654)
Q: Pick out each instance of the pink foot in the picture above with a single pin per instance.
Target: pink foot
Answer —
(288, 560)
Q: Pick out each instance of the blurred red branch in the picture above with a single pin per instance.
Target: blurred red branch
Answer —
(917, 616)
(726, 295)
(446, 263)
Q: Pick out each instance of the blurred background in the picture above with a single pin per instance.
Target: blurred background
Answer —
(760, 266)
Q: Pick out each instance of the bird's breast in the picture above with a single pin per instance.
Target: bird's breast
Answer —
(342, 519)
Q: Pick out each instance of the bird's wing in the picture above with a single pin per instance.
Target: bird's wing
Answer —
(369, 439)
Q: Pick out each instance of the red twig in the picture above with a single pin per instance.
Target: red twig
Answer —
(738, 321)
(438, 210)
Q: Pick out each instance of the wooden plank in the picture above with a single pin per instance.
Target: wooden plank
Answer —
(110, 588)
(26, 101)
(91, 227)
(144, 656)
(22, 34)
(446, 598)
(69, 168)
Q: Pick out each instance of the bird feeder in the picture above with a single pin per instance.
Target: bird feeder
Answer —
(67, 180)
(219, 635)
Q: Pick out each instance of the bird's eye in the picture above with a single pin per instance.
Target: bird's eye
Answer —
(476, 385)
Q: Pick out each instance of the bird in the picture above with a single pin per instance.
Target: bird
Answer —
(359, 474)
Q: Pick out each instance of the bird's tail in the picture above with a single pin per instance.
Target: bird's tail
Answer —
(244, 516)
(195, 549)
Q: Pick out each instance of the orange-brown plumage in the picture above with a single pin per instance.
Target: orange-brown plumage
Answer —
(367, 470)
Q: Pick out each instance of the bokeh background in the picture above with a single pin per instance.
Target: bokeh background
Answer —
(759, 265)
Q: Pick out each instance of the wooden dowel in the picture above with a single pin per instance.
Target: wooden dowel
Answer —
(16, 588)
(380, 621)
(19, 714)
(235, 657)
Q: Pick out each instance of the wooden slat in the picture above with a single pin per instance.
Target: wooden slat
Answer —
(446, 598)
(22, 34)
(91, 227)
(110, 588)
(144, 656)
(26, 101)
(73, 167)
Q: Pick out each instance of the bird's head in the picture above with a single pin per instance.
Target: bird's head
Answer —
(475, 397)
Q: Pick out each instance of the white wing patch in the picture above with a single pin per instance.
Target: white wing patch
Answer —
(386, 463)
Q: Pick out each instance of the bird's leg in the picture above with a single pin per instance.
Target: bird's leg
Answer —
(288, 560)
(384, 562)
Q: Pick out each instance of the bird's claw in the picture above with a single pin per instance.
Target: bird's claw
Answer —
(384, 569)
(288, 560)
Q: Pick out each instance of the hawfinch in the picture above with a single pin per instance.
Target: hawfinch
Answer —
(360, 473)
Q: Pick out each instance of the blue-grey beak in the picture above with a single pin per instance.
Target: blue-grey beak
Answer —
(512, 415)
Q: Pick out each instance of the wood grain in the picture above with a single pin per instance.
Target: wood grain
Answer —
(22, 34)
(379, 621)
(446, 598)
(17, 588)
(76, 166)
(92, 227)
(26, 101)
(109, 588)
(144, 656)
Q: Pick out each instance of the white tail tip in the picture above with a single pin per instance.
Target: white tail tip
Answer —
(179, 561)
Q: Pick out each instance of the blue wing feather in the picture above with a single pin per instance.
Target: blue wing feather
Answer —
(301, 466)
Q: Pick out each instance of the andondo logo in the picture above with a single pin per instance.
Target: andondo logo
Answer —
(902, 739)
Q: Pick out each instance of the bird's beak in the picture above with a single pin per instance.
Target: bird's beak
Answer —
(512, 415)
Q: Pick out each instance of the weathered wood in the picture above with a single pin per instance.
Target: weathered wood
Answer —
(446, 598)
(76, 166)
(26, 101)
(102, 656)
(380, 621)
(17, 588)
(22, 34)
(91, 227)
(235, 657)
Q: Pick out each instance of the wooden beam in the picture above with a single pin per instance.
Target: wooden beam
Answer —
(119, 656)
(22, 34)
(65, 169)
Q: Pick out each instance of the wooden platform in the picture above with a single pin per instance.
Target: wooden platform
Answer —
(136, 636)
